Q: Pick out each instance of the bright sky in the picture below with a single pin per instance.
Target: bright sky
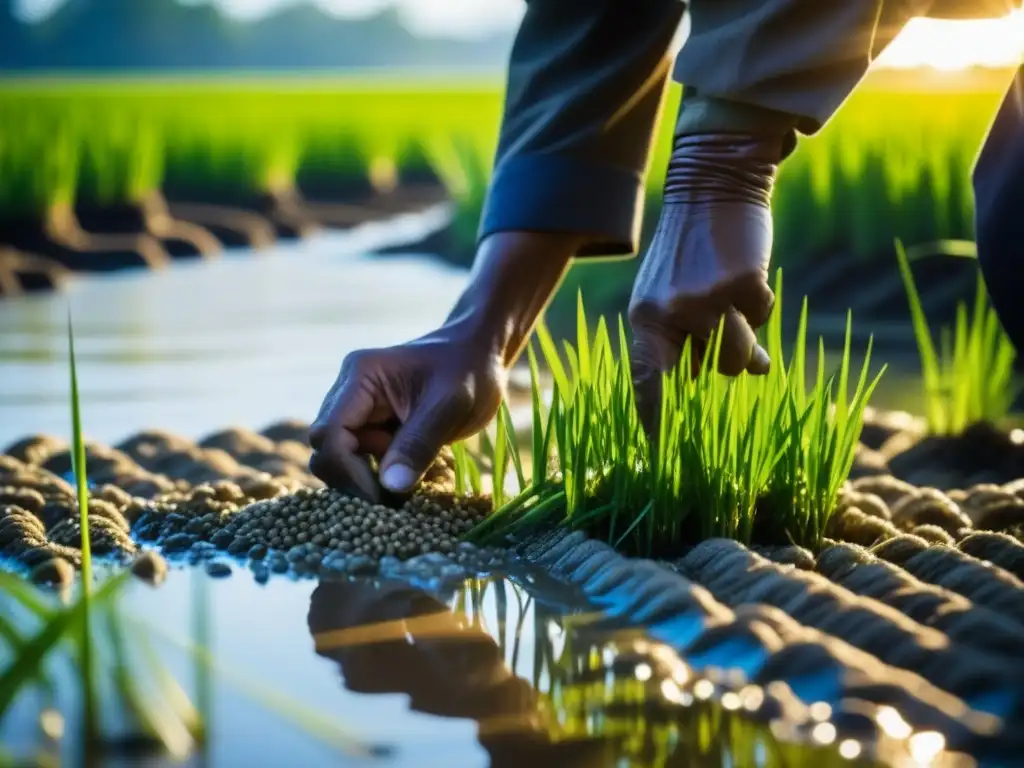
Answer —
(940, 44)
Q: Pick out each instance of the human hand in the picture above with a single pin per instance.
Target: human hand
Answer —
(708, 259)
(402, 405)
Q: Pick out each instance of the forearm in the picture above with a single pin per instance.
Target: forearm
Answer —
(514, 276)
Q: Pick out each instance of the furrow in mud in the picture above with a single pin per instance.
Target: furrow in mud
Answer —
(763, 642)
(972, 625)
(980, 582)
(737, 576)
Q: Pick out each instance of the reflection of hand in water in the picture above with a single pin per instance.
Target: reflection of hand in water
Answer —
(396, 639)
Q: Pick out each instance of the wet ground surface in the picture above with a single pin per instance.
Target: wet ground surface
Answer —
(908, 620)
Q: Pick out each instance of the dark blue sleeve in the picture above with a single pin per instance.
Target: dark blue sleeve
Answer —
(999, 211)
(586, 81)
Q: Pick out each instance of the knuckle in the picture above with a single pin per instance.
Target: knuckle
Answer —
(317, 433)
(359, 363)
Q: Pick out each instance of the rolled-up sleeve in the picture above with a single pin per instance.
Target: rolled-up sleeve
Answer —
(585, 88)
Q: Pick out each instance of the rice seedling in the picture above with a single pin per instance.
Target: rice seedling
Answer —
(969, 378)
(82, 489)
(111, 655)
(40, 633)
(750, 458)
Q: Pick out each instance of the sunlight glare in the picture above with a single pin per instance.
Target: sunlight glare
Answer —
(956, 45)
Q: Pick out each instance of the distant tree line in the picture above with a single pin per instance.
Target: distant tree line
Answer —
(164, 34)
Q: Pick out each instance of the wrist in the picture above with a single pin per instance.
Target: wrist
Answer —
(723, 167)
(514, 276)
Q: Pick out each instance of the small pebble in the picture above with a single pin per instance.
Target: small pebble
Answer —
(218, 570)
(55, 572)
(239, 546)
(150, 567)
(178, 542)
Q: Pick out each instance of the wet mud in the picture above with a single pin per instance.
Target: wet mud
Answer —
(38, 253)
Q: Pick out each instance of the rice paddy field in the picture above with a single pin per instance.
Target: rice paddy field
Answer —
(894, 163)
(784, 574)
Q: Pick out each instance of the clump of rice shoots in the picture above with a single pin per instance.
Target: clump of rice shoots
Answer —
(969, 379)
(750, 458)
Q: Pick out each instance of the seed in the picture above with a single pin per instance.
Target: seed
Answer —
(218, 570)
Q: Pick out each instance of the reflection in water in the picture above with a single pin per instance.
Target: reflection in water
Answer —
(493, 663)
(591, 701)
(396, 639)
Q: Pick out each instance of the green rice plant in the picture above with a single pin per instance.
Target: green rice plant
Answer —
(862, 180)
(970, 377)
(39, 632)
(82, 489)
(750, 458)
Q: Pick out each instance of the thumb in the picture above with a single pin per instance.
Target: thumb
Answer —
(431, 425)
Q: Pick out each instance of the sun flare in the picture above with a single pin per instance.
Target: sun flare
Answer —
(956, 45)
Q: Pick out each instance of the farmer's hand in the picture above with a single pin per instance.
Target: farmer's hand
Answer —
(708, 259)
(403, 404)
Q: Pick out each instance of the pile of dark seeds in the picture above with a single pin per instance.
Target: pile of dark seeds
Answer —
(312, 531)
(261, 520)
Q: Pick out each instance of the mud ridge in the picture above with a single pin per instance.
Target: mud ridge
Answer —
(763, 642)
(37, 253)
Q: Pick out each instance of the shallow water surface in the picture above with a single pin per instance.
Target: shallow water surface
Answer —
(501, 671)
(246, 339)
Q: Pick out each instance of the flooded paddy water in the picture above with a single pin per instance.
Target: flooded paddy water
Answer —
(483, 659)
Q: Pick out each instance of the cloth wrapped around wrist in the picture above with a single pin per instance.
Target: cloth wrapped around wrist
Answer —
(722, 167)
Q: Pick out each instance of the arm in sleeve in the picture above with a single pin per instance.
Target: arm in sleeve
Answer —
(586, 83)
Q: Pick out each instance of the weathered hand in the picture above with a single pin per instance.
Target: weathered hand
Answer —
(708, 259)
(403, 404)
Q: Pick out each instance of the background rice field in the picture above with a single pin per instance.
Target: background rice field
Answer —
(895, 162)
